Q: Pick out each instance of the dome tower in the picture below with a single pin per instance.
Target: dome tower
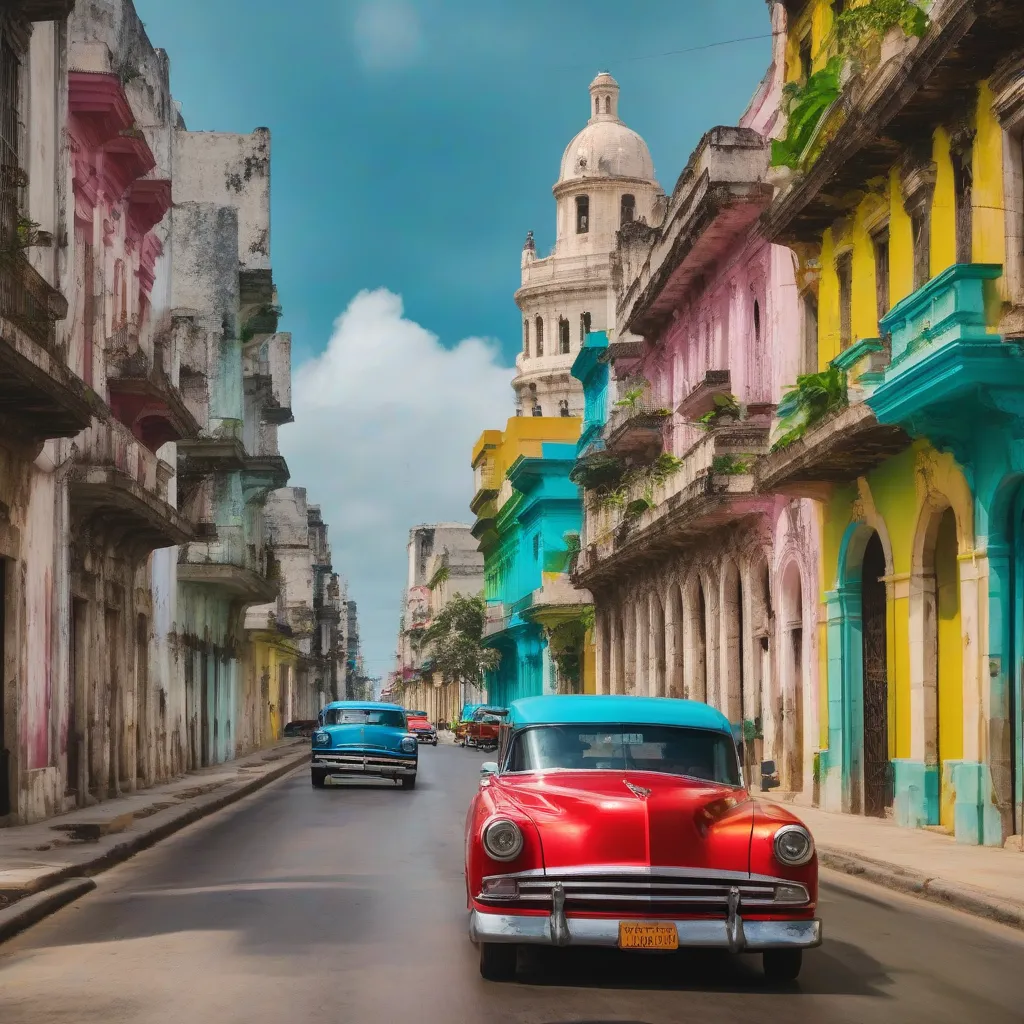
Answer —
(606, 179)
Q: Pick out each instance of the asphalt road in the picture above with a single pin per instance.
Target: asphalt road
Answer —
(346, 905)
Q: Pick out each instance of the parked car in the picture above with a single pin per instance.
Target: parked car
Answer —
(364, 739)
(301, 727)
(462, 726)
(420, 727)
(626, 821)
(482, 730)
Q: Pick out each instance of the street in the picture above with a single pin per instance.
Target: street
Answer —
(347, 905)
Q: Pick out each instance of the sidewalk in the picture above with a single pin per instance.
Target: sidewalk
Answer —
(981, 880)
(46, 865)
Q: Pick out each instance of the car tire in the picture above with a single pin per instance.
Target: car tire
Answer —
(782, 964)
(319, 779)
(409, 782)
(498, 961)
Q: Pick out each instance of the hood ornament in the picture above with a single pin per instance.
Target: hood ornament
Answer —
(638, 791)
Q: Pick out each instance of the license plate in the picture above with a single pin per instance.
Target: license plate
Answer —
(647, 935)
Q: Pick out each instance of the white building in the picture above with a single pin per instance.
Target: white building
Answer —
(606, 180)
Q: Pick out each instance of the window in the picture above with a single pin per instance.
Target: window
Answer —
(537, 411)
(627, 210)
(526, 337)
(563, 336)
(539, 335)
(607, 104)
(880, 243)
(806, 61)
(671, 750)
(757, 322)
(582, 214)
(563, 407)
(536, 546)
(921, 229)
(597, 104)
(844, 271)
(10, 148)
(584, 326)
(364, 716)
(963, 190)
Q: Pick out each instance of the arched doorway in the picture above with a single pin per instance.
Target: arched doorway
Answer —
(792, 653)
(658, 660)
(947, 727)
(878, 795)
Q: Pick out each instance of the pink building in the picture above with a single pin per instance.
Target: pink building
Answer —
(705, 588)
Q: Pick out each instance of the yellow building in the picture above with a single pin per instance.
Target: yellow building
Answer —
(890, 176)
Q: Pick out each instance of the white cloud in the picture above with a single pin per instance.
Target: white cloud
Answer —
(385, 422)
(387, 33)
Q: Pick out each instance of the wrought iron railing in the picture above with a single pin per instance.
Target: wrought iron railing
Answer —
(28, 300)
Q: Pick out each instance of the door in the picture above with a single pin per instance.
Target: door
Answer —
(1016, 655)
(877, 767)
(5, 754)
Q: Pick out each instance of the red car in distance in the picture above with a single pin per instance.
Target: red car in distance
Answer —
(420, 727)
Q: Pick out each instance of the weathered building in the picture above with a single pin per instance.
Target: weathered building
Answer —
(528, 522)
(606, 180)
(443, 560)
(703, 588)
(899, 189)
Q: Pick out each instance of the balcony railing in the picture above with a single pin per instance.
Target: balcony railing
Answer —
(29, 301)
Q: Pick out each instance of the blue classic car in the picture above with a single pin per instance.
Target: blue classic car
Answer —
(364, 739)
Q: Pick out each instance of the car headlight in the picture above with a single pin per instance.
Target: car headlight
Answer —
(503, 840)
(793, 845)
(322, 739)
(408, 744)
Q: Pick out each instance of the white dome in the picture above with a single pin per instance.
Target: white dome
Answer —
(606, 148)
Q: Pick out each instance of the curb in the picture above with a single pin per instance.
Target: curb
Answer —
(32, 909)
(52, 891)
(914, 883)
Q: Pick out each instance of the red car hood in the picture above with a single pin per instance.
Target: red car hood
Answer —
(594, 818)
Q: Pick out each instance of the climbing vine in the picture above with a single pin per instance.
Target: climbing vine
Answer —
(814, 396)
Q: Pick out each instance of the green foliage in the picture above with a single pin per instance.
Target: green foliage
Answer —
(664, 466)
(858, 25)
(258, 322)
(726, 407)
(632, 398)
(566, 642)
(597, 471)
(638, 506)
(730, 465)
(572, 542)
(454, 641)
(814, 396)
(442, 575)
(806, 104)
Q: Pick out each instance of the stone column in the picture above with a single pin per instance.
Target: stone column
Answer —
(673, 644)
(599, 653)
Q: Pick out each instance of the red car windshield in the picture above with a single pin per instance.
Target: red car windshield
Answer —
(695, 753)
(418, 723)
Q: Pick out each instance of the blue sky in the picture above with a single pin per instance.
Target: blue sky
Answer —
(414, 142)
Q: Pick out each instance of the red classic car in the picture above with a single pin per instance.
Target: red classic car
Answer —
(482, 730)
(623, 822)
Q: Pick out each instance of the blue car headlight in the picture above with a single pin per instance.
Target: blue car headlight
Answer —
(408, 744)
(322, 739)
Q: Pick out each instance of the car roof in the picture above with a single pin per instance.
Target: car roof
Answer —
(610, 710)
(337, 705)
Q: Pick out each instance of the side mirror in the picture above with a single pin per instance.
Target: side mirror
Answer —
(487, 769)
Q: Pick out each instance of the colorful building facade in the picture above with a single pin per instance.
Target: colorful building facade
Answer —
(528, 522)
(903, 207)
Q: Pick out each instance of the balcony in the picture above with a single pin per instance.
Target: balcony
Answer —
(635, 430)
(262, 474)
(142, 395)
(947, 370)
(268, 374)
(495, 619)
(702, 399)
(555, 602)
(486, 480)
(713, 488)
(40, 397)
(119, 489)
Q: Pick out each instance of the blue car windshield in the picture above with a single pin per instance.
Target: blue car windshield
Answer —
(365, 716)
(694, 753)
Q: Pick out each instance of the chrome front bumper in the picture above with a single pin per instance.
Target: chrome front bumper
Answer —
(364, 766)
(732, 933)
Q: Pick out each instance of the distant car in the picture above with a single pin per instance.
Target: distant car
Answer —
(623, 822)
(483, 728)
(364, 739)
(301, 727)
(462, 726)
(420, 727)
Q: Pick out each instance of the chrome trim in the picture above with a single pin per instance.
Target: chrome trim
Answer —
(558, 923)
(747, 936)
(590, 870)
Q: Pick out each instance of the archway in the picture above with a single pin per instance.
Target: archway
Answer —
(695, 617)
(878, 794)
(731, 667)
(618, 682)
(945, 731)
(792, 657)
(675, 679)
(642, 685)
(604, 639)
(658, 659)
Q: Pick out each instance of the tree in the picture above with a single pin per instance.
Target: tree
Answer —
(454, 641)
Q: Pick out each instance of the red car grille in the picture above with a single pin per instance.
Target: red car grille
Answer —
(652, 893)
